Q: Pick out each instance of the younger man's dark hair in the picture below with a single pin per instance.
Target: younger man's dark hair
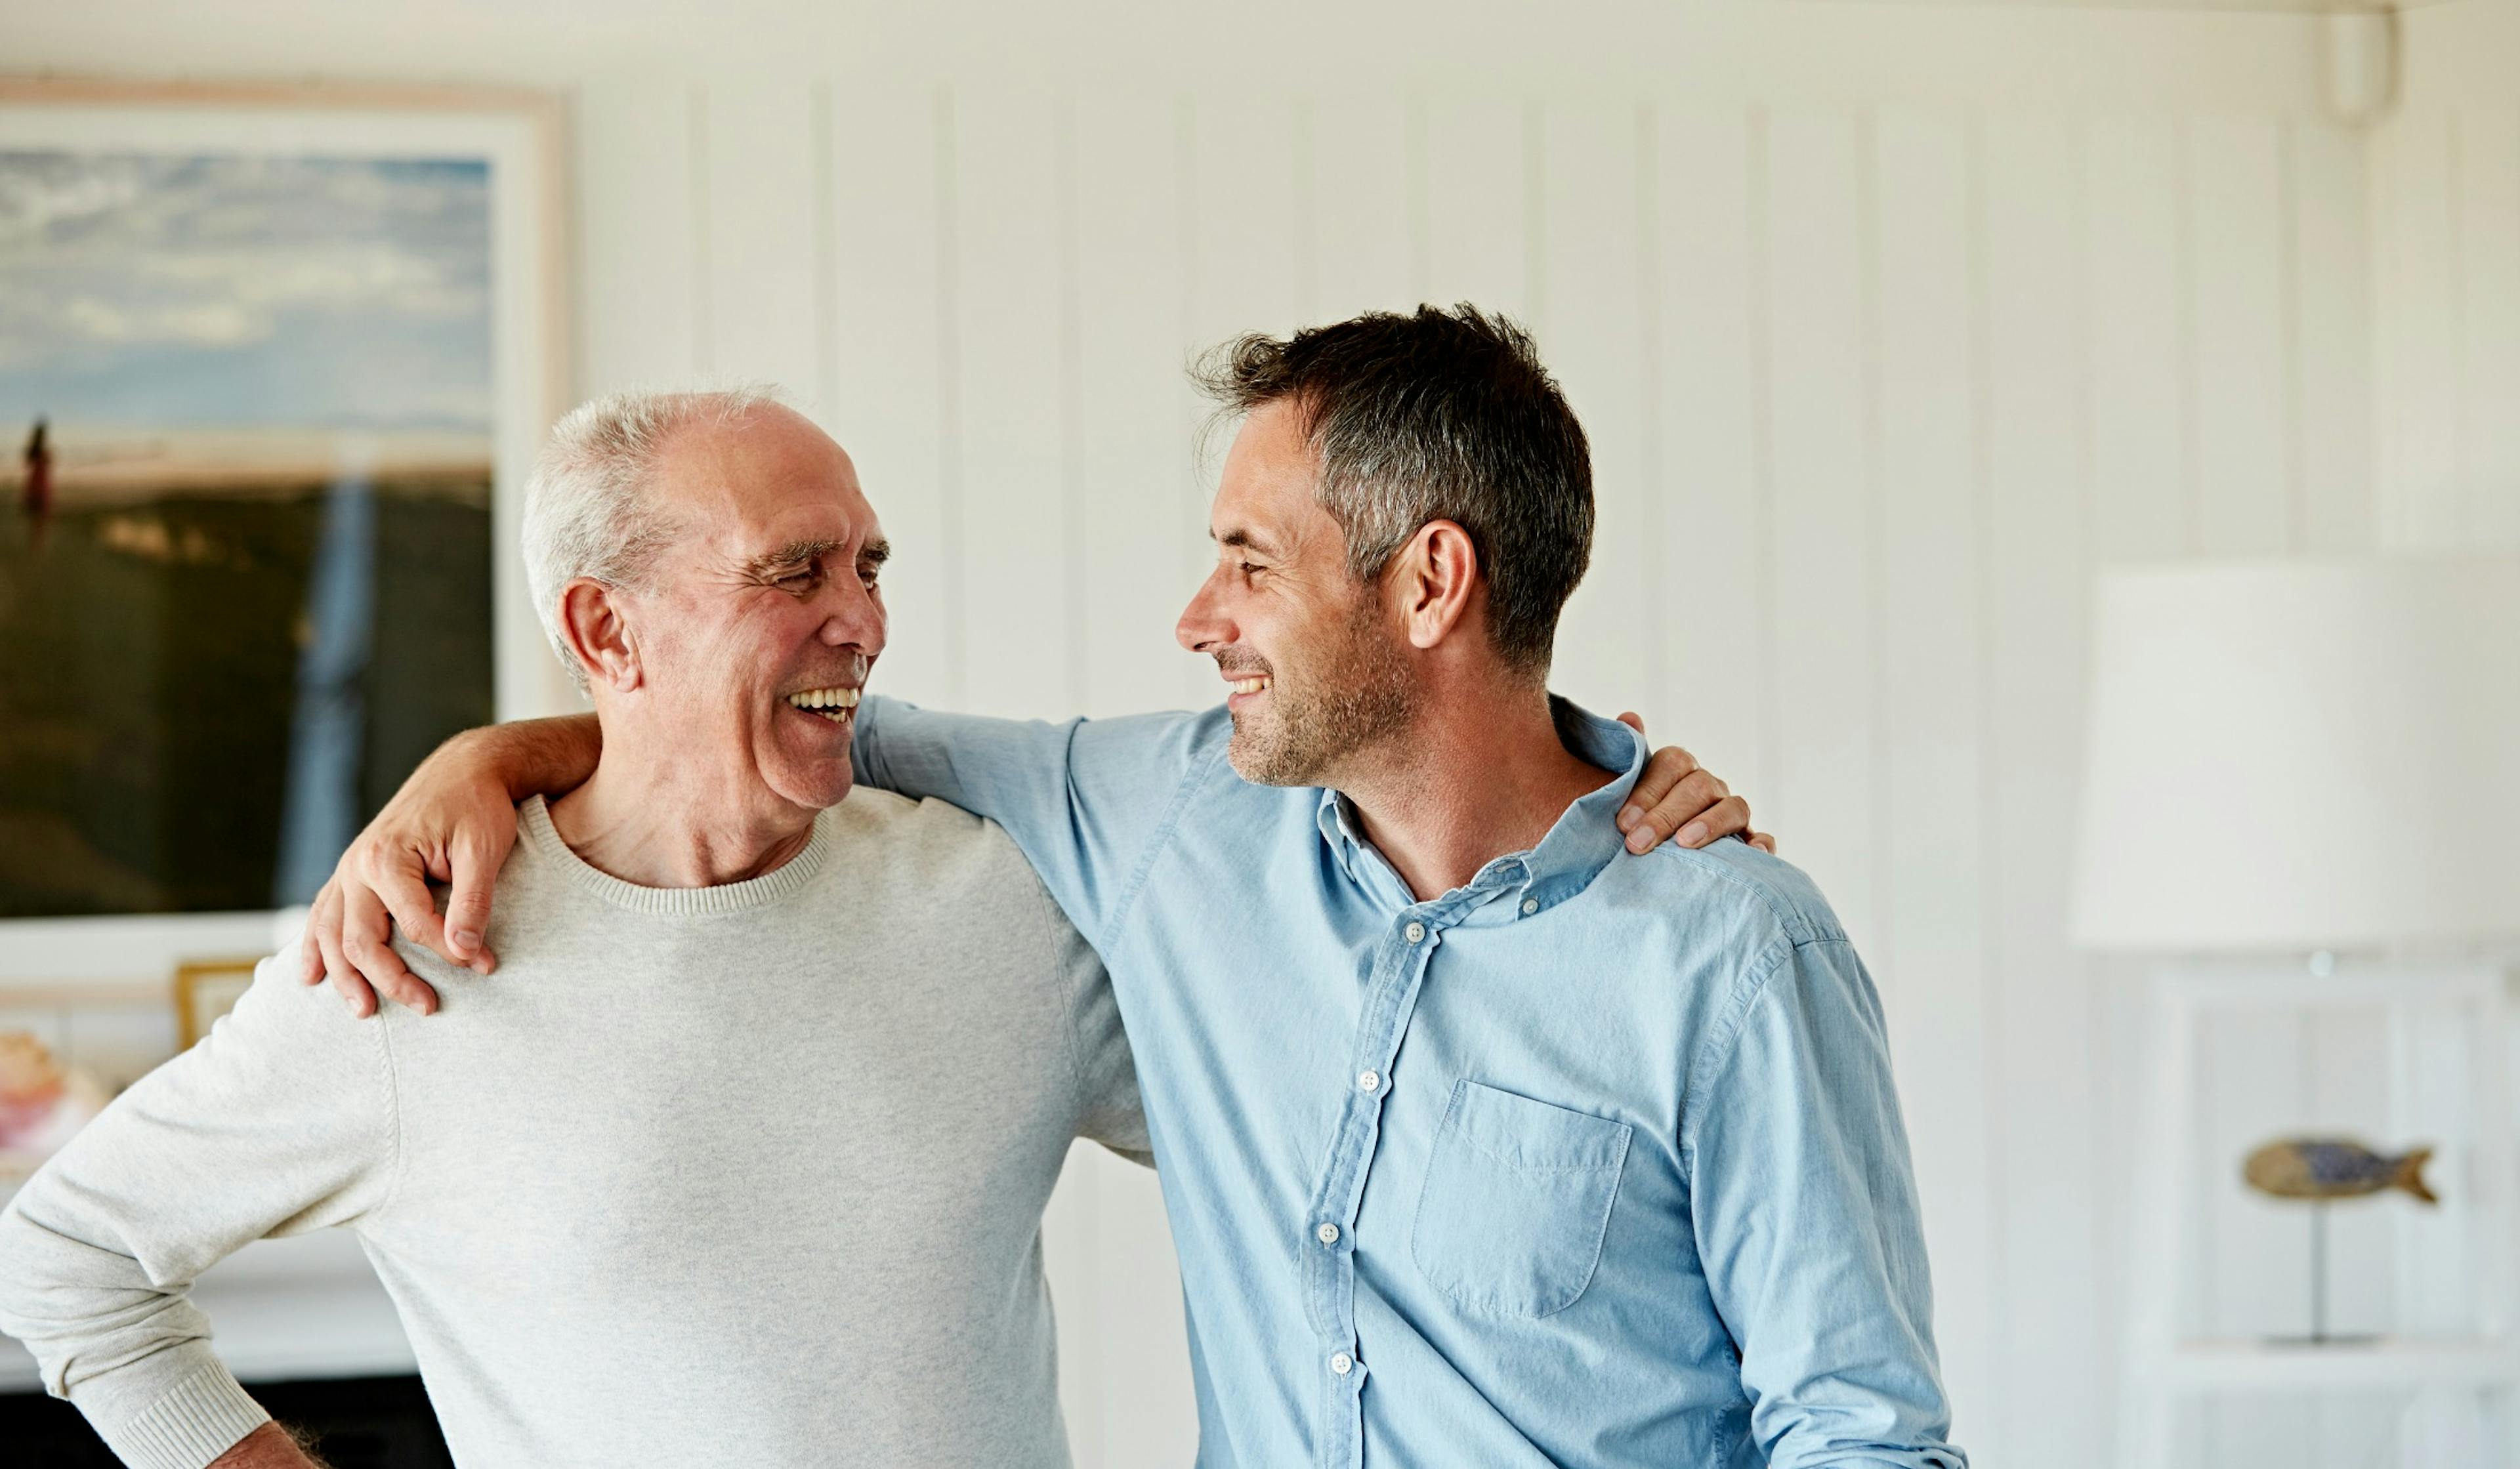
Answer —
(1441, 414)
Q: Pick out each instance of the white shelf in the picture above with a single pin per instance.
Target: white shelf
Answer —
(2264, 1365)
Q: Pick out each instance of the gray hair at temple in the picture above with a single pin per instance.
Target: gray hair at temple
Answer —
(1441, 414)
(590, 508)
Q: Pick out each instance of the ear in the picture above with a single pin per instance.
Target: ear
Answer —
(591, 620)
(1436, 577)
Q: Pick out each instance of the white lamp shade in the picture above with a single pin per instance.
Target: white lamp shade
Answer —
(2302, 755)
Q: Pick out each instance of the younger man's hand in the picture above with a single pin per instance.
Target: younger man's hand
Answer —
(453, 822)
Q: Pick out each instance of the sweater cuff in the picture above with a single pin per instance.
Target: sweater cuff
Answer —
(200, 1416)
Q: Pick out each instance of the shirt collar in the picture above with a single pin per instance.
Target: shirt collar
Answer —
(1582, 842)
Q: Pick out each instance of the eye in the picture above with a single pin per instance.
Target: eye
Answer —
(1252, 568)
(799, 580)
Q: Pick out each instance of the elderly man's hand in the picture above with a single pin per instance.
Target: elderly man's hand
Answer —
(452, 821)
(1676, 796)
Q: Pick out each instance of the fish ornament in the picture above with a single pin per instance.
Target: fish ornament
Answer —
(2334, 1168)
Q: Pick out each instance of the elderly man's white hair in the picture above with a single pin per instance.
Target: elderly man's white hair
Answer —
(589, 507)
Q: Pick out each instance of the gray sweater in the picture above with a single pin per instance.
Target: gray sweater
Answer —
(744, 1174)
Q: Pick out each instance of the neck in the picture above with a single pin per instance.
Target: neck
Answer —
(658, 822)
(1473, 778)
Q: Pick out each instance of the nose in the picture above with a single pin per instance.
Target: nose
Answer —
(1203, 624)
(854, 616)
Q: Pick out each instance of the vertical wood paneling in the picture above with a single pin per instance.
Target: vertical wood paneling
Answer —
(1477, 175)
(2421, 392)
(1712, 510)
(2036, 409)
(1359, 209)
(1143, 516)
(2237, 175)
(1821, 557)
(1595, 341)
(1933, 712)
(634, 237)
(2133, 267)
(763, 239)
(1246, 229)
(2489, 251)
(2332, 337)
(1014, 541)
(889, 411)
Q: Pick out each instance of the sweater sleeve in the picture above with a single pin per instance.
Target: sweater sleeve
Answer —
(1107, 1109)
(281, 1121)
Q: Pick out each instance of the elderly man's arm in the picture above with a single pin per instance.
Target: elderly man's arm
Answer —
(266, 1448)
(1805, 1206)
(280, 1121)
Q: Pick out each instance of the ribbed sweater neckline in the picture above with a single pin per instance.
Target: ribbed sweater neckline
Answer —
(533, 818)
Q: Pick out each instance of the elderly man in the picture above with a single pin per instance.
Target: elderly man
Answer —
(743, 1158)
(1488, 1137)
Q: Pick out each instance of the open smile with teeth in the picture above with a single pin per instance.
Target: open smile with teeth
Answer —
(1249, 685)
(831, 705)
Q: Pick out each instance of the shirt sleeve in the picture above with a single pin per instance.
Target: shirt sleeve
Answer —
(1807, 1222)
(279, 1121)
(1087, 801)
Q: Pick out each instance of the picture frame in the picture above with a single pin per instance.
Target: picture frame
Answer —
(206, 990)
(518, 139)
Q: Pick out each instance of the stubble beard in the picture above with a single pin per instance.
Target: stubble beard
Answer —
(1356, 696)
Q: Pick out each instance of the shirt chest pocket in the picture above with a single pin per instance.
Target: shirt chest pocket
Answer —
(1516, 1199)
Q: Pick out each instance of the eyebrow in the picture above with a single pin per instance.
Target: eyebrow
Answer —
(796, 552)
(1240, 536)
(789, 555)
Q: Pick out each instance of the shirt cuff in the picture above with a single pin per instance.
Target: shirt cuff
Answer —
(199, 1416)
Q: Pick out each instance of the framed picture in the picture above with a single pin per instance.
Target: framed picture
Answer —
(206, 990)
(274, 364)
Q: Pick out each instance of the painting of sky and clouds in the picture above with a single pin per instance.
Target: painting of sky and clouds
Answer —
(244, 583)
(244, 292)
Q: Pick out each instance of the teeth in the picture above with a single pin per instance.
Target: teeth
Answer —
(1249, 685)
(824, 698)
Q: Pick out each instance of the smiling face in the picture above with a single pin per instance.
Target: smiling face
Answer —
(761, 621)
(1318, 668)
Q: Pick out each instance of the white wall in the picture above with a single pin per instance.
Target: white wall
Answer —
(2445, 216)
(1889, 325)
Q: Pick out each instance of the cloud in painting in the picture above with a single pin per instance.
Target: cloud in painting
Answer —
(244, 291)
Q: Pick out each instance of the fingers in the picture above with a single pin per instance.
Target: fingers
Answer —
(1668, 768)
(474, 869)
(1764, 842)
(1632, 720)
(1695, 809)
(366, 934)
(310, 955)
(346, 981)
(406, 897)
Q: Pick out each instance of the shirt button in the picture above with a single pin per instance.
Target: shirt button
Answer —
(1326, 1234)
(1530, 906)
(1342, 1364)
(1416, 932)
(1367, 1081)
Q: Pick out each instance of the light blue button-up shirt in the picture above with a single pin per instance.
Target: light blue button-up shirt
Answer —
(1592, 1161)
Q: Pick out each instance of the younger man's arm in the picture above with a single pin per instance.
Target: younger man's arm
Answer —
(1807, 1222)
(281, 1121)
